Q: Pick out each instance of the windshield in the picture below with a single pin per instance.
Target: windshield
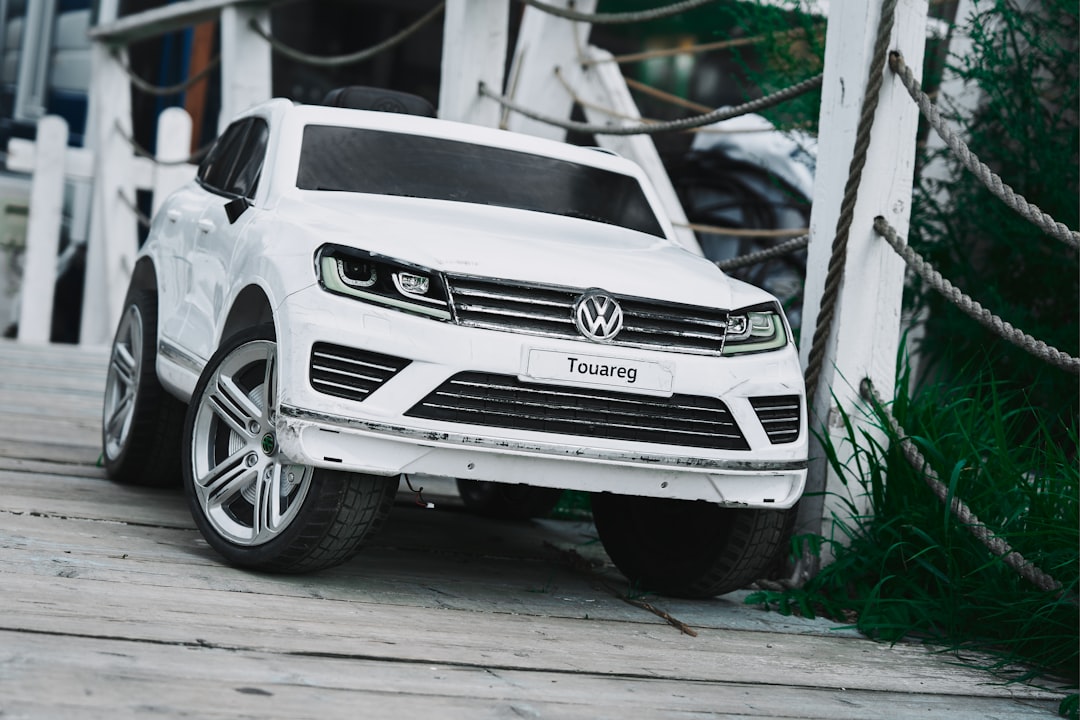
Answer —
(387, 163)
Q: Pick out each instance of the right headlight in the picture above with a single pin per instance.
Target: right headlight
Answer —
(755, 329)
(382, 281)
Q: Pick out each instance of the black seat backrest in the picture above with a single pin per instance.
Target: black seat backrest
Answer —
(359, 97)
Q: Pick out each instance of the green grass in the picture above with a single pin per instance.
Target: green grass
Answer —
(911, 570)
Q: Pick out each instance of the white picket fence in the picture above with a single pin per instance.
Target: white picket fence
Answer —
(52, 163)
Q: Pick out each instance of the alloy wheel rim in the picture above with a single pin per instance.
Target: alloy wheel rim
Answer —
(245, 488)
(122, 381)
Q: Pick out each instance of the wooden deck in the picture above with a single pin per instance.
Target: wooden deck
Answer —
(111, 606)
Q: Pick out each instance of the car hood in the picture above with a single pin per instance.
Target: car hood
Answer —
(510, 244)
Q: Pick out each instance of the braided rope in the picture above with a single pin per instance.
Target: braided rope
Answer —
(835, 273)
(745, 232)
(759, 257)
(959, 508)
(971, 161)
(617, 18)
(724, 113)
(695, 49)
(970, 307)
(139, 150)
(340, 60)
(160, 90)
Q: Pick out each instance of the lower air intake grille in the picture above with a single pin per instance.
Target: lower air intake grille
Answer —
(350, 373)
(504, 401)
(779, 416)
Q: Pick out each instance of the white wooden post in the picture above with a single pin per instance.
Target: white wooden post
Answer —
(173, 143)
(113, 239)
(475, 38)
(865, 333)
(245, 61)
(602, 84)
(43, 231)
(544, 43)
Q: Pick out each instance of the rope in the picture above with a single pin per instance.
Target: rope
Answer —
(759, 257)
(340, 60)
(159, 90)
(617, 18)
(835, 273)
(724, 113)
(969, 160)
(695, 49)
(745, 232)
(139, 150)
(140, 216)
(959, 508)
(970, 307)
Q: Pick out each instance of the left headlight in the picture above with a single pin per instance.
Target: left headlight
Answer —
(755, 329)
(382, 281)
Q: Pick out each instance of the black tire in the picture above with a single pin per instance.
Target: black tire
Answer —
(141, 422)
(507, 502)
(688, 548)
(314, 519)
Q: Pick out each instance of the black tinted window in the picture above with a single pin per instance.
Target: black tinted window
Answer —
(245, 179)
(215, 168)
(387, 163)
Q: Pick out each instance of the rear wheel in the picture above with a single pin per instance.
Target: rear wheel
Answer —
(141, 422)
(254, 506)
(688, 548)
(507, 502)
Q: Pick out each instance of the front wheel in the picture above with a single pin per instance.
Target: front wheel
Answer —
(688, 548)
(254, 506)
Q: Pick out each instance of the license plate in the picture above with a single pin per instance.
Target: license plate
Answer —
(562, 368)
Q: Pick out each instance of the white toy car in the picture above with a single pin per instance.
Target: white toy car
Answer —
(344, 296)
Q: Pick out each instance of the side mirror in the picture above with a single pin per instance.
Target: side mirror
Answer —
(235, 208)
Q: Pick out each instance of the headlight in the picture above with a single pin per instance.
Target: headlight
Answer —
(383, 281)
(755, 329)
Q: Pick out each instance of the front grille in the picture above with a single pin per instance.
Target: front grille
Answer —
(503, 401)
(351, 373)
(779, 416)
(549, 310)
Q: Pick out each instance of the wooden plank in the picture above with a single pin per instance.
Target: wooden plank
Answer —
(299, 625)
(43, 231)
(475, 37)
(63, 676)
(603, 84)
(113, 240)
(865, 331)
(157, 21)
(544, 42)
(245, 60)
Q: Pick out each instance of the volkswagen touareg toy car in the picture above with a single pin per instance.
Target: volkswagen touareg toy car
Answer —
(342, 297)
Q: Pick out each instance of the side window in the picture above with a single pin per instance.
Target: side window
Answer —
(245, 179)
(217, 166)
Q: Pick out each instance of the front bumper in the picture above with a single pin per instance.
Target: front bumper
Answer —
(376, 435)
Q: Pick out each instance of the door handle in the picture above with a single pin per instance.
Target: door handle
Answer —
(173, 215)
(206, 225)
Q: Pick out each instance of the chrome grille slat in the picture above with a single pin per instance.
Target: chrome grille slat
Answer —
(564, 408)
(546, 310)
(349, 372)
(504, 401)
(780, 416)
(633, 402)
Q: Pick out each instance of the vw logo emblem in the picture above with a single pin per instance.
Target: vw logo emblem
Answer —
(598, 316)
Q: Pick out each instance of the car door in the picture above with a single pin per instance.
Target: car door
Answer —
(231, 182)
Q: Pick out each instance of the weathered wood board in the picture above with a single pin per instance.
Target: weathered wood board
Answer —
(112, 606)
